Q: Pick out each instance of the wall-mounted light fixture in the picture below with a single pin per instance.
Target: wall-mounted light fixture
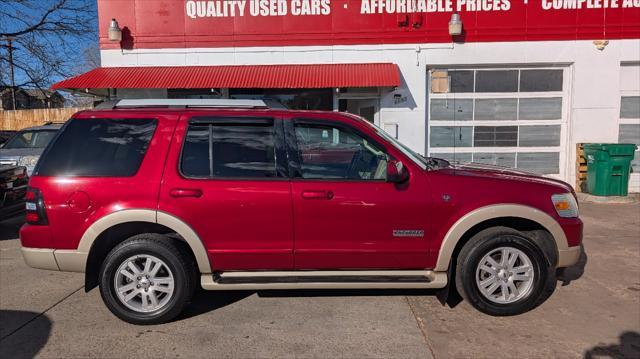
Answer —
(115, 34)
(601, 44)
(455, 25)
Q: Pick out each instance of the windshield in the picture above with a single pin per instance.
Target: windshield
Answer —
(417, 158)
(31, 139)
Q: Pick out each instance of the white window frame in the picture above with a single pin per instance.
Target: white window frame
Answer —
(634, 179)
(562, 148)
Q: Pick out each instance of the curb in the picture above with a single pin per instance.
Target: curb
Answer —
(632, 198)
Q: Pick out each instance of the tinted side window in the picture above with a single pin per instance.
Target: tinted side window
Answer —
(98, 147)
(195, 153)
(326, 152)
(229, 150)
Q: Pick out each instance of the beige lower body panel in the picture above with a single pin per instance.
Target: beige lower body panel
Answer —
(55, 259)
(40, 258)
(70, 260)
(568, 257)
(435, 280)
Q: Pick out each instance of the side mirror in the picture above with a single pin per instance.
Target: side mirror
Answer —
(396, 172)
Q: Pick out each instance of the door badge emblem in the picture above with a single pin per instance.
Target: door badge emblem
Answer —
(408, 233)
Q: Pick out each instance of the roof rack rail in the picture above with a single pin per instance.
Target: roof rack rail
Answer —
(183, 103)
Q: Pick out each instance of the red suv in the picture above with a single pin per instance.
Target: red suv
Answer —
(150, 197)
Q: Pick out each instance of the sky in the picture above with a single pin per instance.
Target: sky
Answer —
(57, 49)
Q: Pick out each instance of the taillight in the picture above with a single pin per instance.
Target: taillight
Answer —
(35, 207)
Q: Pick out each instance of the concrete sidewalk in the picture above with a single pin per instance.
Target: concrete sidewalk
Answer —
(48, 314)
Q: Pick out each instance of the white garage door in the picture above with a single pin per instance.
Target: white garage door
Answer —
(512, 117)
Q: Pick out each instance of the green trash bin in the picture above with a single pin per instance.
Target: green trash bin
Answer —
(608, 167)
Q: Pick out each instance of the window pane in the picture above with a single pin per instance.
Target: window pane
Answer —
(635, 164)
(453, 157)
(195, 154)
(42, 138)
(495, 136)
(534, 136)
(99, 147)
(532, 109)
(326, 152)
(540, 162)
(439, 81)
(451, 110)
(461, 81)
(446, 136)
(497, 159)
(496, 109)
(243, 151)
(629, 134)
(497, 81)
(630, 107)
(540, 80)
(30, 139)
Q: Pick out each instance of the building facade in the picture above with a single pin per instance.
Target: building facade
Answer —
(521, 85)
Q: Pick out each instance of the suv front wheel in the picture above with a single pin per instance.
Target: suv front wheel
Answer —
(502, 272)
(147, 279)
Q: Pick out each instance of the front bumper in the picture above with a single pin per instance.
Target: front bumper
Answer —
(55, 259)
(568, 257)
(573, 230)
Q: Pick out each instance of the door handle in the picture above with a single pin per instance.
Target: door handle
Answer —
(185, 192)
(317, 194)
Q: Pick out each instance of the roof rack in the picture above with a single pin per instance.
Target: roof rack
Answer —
(182, 103)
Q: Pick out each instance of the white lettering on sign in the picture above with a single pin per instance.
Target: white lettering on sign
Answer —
(414, 6)
(314, 7)
(232, 8)
(229, 8)
(588, 4)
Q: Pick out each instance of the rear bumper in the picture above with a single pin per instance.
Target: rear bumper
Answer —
(55, 259)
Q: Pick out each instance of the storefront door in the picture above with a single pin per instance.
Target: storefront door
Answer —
(367, 108)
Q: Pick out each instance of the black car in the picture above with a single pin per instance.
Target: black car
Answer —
(13, 187)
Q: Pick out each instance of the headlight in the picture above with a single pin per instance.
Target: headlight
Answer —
(565, 204)
(28, 161)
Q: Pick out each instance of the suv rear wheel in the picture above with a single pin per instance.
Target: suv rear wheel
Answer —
(147, 279)
(502, 272)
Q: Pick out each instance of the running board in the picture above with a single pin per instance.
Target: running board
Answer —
(324, 280)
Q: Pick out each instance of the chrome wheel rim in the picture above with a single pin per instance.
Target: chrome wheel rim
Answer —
(144, 283)
(505, 275)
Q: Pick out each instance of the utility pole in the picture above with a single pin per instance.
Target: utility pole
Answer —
(9, 46)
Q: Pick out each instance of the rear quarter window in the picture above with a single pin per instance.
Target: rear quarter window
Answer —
(98, 148)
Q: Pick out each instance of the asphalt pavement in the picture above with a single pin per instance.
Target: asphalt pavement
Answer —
(595, 313)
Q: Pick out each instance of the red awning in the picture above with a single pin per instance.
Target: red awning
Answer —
(245, 76)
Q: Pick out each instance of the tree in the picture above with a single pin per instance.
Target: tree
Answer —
(48, 39)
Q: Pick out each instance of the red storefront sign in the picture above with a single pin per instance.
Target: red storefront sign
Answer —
(226, 23)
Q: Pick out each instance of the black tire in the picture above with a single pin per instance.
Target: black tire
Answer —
(484, 242)
(178, 262)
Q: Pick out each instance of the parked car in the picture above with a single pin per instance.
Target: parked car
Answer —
(13, 187)
(151, 199)
(4, 136)
(25, 146)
